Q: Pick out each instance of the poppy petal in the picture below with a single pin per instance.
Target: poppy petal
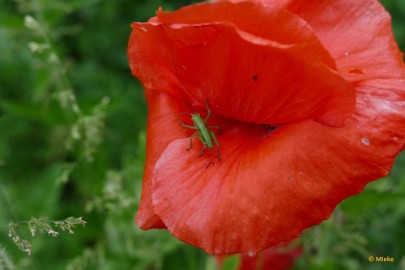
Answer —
(210, 204)
(265, 3)
(150, 59)
(263, 70)
(161, 130)
(260, 94)
(248, 16)
(358, 35)
(263, 67)
(280, 257)
(306, 121)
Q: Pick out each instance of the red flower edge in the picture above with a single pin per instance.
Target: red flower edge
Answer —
(280, 257)
(271, 183)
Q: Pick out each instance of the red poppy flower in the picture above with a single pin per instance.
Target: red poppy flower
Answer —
(310, 99)
(280, 257)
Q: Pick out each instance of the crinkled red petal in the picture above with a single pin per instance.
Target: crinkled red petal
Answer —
(357, 34)
(270, 23)
(255, 80)
(260, 80)
(267, 181)
(150, 57)
(161, 131)
(265, 3)
(271, 183)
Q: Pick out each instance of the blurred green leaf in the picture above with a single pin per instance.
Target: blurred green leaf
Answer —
(29, 111)
(369, 200)
(231, 262)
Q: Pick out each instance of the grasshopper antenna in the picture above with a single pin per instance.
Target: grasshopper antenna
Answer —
(176, 73)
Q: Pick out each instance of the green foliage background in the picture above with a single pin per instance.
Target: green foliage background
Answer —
(72, 143)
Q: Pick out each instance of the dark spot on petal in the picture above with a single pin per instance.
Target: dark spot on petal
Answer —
(269, 128)
(255, 77)
(209, 164)
(355, 70)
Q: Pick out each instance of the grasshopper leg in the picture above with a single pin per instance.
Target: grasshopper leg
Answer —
(208, 110)
(185, 125)
(191, 140)
(202, 150)
(217, 143)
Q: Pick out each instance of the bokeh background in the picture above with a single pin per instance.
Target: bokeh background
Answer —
(72, 143)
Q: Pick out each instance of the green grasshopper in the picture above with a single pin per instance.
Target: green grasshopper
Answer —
(206, 136)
